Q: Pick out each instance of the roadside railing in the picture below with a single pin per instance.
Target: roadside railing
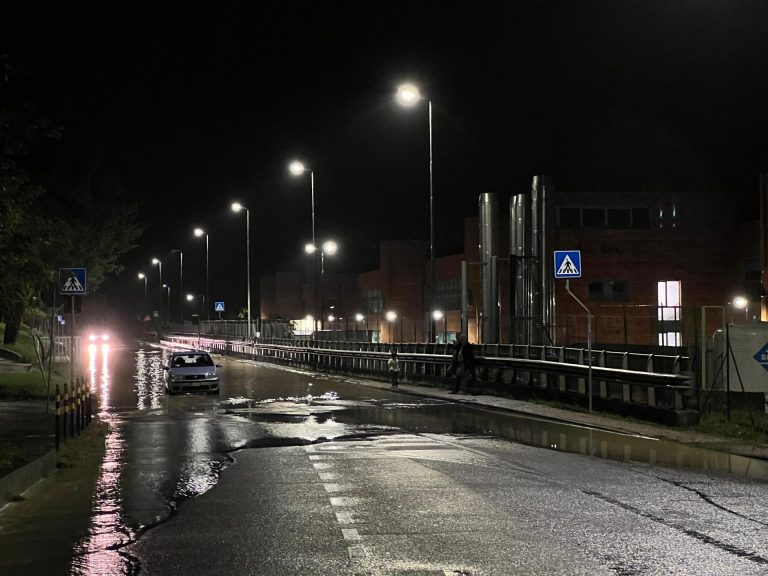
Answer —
(651, 380)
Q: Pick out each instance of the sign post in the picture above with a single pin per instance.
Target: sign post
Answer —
(219, 307)
(567, 266)
(72, 282)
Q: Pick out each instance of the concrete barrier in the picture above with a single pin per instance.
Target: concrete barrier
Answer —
(19, 481)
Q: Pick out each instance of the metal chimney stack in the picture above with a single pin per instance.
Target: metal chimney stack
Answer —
(534, 302)
(488, 205)
(520, 254)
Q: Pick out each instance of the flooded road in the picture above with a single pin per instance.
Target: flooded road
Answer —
(164, 450)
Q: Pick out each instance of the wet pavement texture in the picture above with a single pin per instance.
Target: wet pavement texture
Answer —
(291, 472)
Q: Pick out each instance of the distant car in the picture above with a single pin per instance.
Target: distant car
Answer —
(98, 336)
(191, 371)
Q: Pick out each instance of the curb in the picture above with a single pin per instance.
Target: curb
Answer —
(19, 481)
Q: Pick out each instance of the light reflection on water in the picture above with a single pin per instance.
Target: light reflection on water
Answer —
(97, 552)
(150, 392)
(199, 465)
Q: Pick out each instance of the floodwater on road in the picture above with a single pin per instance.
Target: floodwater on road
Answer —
(163, 449)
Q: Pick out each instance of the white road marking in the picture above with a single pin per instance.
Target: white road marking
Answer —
(350, 535)
(344, 518)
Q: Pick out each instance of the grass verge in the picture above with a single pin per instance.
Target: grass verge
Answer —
(85, 450)
(30, 385)
(742, 425)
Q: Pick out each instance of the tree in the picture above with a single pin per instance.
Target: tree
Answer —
(54, 212)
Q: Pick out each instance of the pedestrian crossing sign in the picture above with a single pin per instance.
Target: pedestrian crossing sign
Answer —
(568, 264)
(218, 306)
(72, 281)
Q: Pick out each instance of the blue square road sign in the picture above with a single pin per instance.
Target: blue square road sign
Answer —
(72, 281)
(568, 264)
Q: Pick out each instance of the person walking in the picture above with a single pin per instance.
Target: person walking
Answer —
(462, 362)
(393, 367)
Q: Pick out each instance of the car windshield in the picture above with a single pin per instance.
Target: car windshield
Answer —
(188, 360)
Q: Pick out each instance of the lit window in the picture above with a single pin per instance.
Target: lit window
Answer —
(669, 302)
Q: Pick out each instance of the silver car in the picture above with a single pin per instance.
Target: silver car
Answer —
(191, 371)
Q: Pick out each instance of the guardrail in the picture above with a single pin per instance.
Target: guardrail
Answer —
(652, 381)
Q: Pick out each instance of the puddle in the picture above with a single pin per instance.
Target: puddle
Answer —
(453, 419)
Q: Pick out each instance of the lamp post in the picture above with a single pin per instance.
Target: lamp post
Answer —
(438, 315)
(329, 247)
(741, 303)
(168, 287)
(143, 276)
(199, 232)
(408, 95)
(237, 207)
(181, 287)
(192, 297)
(159, 264)
(391, 316)
(297, 169)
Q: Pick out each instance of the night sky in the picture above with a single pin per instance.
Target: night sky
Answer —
(195, 105)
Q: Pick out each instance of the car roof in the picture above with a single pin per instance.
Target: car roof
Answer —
(188, 352)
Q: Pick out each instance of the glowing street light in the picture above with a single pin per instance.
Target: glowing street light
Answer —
(741, 303)
(159, 264)
(391, 316)
(199, 232)
(438, 315)
(181, 286)
(408, 95)
(168, 287)
(298, 168)
(237, 207)
(143, 276)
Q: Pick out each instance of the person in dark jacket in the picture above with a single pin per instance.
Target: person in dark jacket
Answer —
(462, 363)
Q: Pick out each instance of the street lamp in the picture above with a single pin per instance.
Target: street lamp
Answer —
(391, 316)
(297, 169)
(181, 286)
(329, 247)
(741, 303)
(143, 276)
(237, 207)
(192, 297)
(438, 315)
(408, 95)
(199, 232)
(168, 287)
(159, 265)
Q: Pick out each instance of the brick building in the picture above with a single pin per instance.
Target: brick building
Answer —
(650, 261)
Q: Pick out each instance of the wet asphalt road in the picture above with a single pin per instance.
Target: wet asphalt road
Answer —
(288, 472)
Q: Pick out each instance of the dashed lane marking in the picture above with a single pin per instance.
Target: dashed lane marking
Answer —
(350, 535)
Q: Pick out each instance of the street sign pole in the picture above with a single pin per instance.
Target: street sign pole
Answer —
(589, 341)
(567, 266)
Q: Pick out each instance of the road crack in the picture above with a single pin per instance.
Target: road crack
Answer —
(729, 548)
